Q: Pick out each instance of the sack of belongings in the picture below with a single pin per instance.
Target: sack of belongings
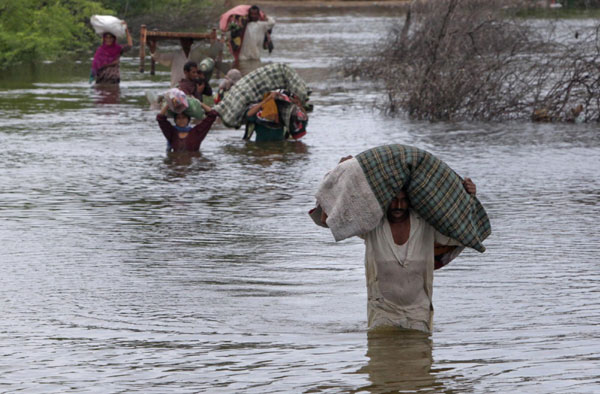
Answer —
(356, 194)
(252, 87)
(108, 24)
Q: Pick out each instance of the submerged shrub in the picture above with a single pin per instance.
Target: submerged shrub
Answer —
(471, 59)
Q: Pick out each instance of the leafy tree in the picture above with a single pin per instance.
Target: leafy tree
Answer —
(32, 30)
(136, 7)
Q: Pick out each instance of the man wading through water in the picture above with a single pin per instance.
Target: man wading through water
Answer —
(399, 256)
(257, 33)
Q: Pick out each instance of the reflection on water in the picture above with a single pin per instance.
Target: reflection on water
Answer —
(107, 94)
(179, 164)
(268, 152)
(398, 361)
(127, 269)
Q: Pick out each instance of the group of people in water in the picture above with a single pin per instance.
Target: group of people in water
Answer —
(182, 137)
(402, 248)
(192, 117)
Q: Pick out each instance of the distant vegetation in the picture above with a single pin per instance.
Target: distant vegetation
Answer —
(35, 30)
(566, 9)
(473, 60)
(580, 3)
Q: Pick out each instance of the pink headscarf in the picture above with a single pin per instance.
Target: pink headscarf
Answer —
(105, 54)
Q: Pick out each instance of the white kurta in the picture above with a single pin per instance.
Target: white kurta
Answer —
(253, 38)
(400, 277)
(175, 61)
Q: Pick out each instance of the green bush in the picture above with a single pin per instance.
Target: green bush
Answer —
(33, 30)
(137, 7)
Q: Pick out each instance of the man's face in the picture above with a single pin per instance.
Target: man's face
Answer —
(398, 209)
(200, 79)
(192, 74)
(253, 15)
(181, 120)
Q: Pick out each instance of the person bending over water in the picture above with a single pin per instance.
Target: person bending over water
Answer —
(182, 137)
(267, 118)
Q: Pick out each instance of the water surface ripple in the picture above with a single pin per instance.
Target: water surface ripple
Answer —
(125, 269)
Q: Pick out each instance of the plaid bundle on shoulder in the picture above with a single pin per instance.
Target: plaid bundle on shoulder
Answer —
(251, 88)
(435, 191)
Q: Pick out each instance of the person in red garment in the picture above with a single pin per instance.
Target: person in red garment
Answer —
(181, 137)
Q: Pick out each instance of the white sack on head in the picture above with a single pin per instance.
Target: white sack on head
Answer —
(108, 24)
(346, 197)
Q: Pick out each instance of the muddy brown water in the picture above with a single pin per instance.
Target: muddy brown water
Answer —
(128, 270)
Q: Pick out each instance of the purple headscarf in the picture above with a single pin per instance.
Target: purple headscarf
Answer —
(105, 54)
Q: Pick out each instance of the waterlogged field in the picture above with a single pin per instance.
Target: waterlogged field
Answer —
(128, 270)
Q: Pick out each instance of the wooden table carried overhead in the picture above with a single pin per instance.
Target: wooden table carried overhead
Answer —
(150, 37)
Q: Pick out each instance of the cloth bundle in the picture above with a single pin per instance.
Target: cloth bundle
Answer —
(176, 100)
(179, 102)
(356, 194)
(231, 78)
(108, 24)
(252, 87)
(269, 110)
(294, 118)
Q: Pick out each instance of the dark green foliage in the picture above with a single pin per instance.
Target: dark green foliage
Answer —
(36, 30)
(581, 3)
(136, 7)
(33, 30)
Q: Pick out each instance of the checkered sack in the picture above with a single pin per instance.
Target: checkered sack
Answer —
(434, 190)
(251, 88)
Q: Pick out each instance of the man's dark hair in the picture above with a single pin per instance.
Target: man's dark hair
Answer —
(189, 65)
(254, 7)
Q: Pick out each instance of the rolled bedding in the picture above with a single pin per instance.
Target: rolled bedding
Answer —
(251, 88)
(355, 195)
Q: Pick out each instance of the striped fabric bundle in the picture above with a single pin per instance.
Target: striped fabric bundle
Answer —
(251, 88)
(435, 191)
(357, 193)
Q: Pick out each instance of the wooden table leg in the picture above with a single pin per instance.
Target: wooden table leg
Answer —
(142, 47)
(152, 45)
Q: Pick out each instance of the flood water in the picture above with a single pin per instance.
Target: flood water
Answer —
(128, 270)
